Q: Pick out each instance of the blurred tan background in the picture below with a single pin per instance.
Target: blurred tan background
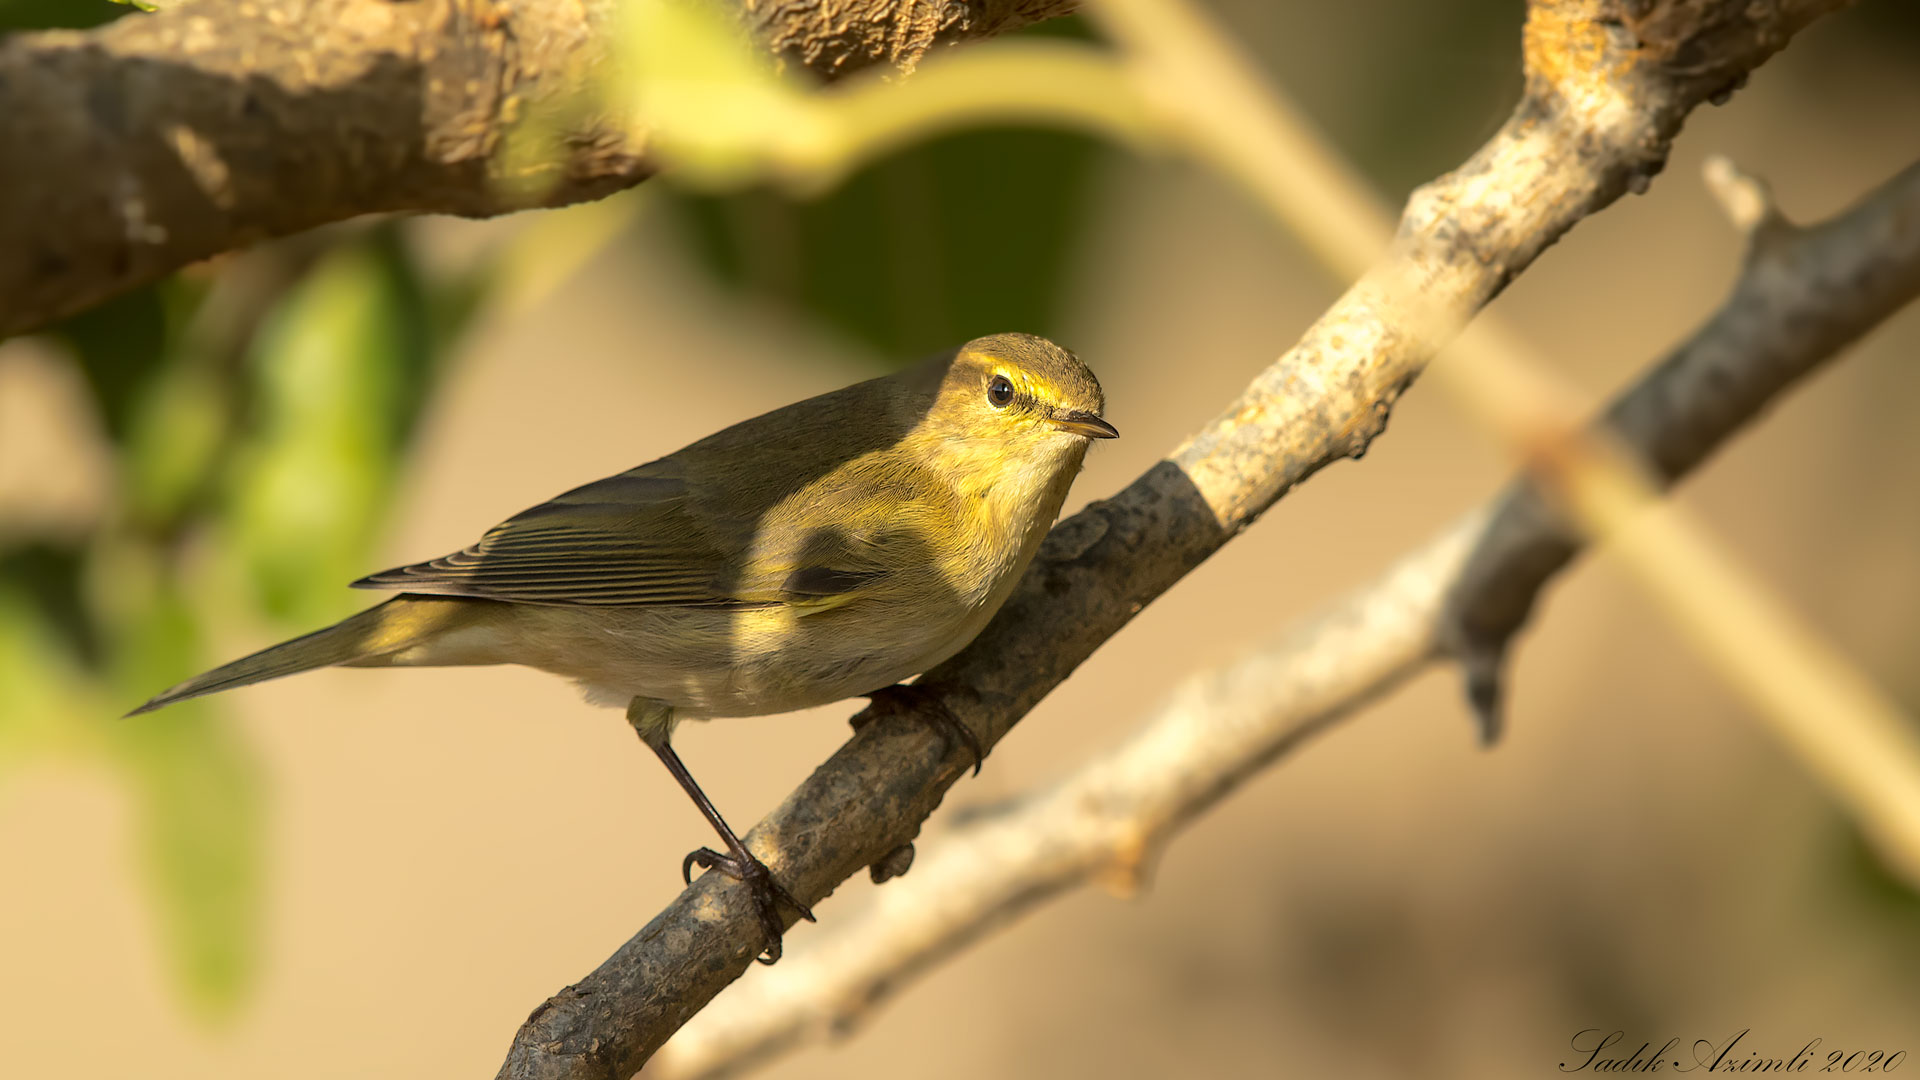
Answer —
(445, 848)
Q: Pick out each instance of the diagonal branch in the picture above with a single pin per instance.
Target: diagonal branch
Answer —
(1608, 85)
(1802, 296)
(161, 139)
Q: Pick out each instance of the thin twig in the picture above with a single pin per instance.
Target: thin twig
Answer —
(1813, 293)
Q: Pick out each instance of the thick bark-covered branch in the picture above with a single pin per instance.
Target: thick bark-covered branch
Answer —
(160, 139)
(1802, 296)
(834, 39)
(1608, 84)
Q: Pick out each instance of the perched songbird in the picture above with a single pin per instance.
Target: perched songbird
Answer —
(825, 550)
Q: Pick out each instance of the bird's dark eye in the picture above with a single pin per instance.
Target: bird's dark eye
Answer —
(1000, 392)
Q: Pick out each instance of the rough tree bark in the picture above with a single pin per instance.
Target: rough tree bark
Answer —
(129, 151)
(1608, 85)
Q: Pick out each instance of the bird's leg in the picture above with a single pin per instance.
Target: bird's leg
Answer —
(923, 704)
(653, 721)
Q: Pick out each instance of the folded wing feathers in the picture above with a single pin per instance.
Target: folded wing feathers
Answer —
(630, 540)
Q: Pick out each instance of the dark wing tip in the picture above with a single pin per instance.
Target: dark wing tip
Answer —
(387, 579)
(159, 701)
(823, 581)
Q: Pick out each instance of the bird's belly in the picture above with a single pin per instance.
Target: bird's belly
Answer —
(709, 662)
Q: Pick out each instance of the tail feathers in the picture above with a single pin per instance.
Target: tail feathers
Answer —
(387, 628)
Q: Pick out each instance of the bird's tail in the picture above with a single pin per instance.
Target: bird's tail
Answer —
(369, 638)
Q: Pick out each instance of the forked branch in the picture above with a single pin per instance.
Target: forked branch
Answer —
(1803, 295)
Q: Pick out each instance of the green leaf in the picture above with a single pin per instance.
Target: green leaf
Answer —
(713, 103)
(197, 798)
(175, 438)
(45, 577)
(39, 681)
(119, 345)
(58, 14)
(966, 235)
(198, 804)
(195, 790)
(341, 370)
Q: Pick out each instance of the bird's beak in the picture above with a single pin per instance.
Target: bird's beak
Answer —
(1083, 423)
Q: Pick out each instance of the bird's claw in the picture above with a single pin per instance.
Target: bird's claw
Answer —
(924, 704)
(768, 894)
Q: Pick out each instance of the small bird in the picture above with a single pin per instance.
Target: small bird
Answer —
(821, 551)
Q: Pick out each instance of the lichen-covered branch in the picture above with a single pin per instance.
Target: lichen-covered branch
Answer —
(1802, 296)
(1608, 85)
(160, 139)
(839, 38)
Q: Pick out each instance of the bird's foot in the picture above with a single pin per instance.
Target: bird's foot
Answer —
(923, 704)
(768, 894)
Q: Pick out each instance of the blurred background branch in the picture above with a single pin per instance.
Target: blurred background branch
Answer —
(1801, 296)
(1851, 734)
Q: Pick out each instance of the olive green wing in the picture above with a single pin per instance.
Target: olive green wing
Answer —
(641, 537)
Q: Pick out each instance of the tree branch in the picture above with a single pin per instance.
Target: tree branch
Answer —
(1608, 84)
(849, 35)
(162, 139)
(1802, 296)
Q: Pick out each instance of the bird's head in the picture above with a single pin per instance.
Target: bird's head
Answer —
(1020, 389)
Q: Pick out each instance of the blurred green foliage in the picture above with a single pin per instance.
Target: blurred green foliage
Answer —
(943, 241)
(340, 370)
(257, 415)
